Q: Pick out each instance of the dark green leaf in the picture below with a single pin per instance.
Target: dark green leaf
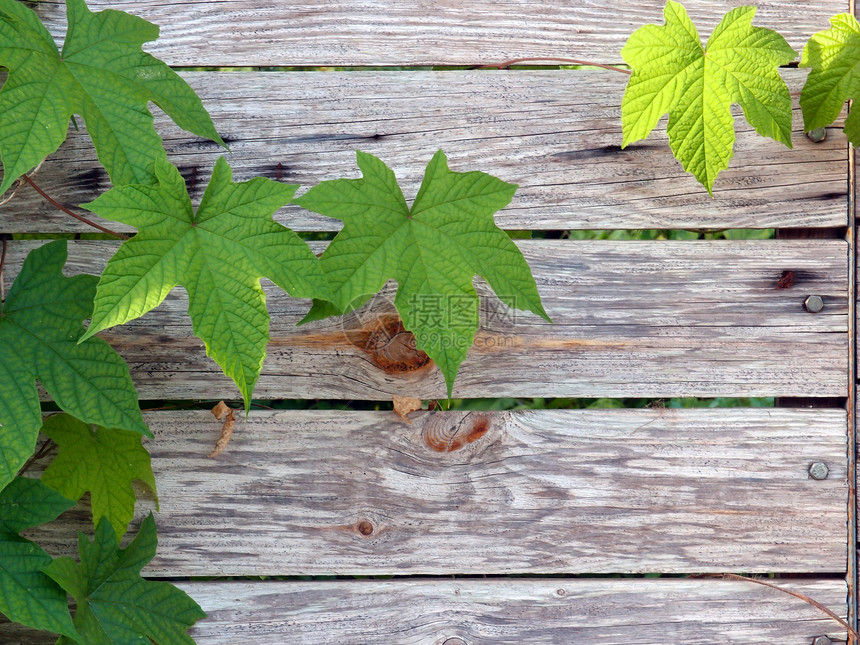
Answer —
(40, 324)
(114, 604)
(27, 595)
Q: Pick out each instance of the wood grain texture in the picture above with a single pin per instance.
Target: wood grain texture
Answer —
(556, 134)
(631, 319)
(421, 32)
(570, 491)
(512, 611)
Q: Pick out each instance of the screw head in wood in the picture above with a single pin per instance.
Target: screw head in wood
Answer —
(813, 304)
(817, 135)
(819, 470)
(821, 640)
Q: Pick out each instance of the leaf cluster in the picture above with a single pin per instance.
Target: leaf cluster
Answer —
(100, 452)
(697, 84)
(218, 252)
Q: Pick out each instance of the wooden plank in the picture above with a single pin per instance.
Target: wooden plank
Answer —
(554, 133)
(632, 319)
(571, 491)
(852, 236)
(514, 611)
(393, 32)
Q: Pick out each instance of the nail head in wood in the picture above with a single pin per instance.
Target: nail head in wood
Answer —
(454, 641)
(817, 135)
(813, 304)
(365, 528)
(821, 640)
(819, 470)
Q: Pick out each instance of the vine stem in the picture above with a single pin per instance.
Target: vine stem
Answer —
(2, 264)
(571, 61)
(46, 447)
(796, 594)
(67, 211)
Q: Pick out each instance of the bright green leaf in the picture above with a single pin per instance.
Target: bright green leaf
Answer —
(99, 460)
(101, 74)
(433, 250)
(116, 605)
(40, 323)
(697, 85)
(218, 254)
(834, 56)
(27, 595)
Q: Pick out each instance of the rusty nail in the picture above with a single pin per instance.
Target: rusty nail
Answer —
(813, 304)
(819, 470)
(817, 135)
(821, 640)
(454, 641)
(365, 528)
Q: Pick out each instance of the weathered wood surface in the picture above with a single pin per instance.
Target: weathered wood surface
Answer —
(421, 32)
(422, 612)
(554, 133)
(570, 491)
(631, 319)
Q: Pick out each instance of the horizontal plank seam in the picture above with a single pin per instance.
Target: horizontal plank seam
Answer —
(838, 576)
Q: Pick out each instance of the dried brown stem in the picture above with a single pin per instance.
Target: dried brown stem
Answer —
(569, 61)
(796, 594)
(67, 211)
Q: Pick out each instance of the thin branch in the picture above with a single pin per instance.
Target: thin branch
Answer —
(70, 212)
(20, 182)
(570, 61)
(44, 450)
(2, 264)
(796, 594)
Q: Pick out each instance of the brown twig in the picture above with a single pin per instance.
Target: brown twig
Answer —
(46, 447)
(796, 594)
(571, 61)
(67, 211)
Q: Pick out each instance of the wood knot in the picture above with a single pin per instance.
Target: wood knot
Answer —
(392, 348)
(444, 433)
(365, 528)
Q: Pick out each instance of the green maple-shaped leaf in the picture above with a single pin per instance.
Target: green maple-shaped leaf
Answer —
(117, 606)
(103, 461)
(697, 85)
(40, 324)
(834, 56)
(102, 74)
(218, 254)
(433, 250)
(27, 595)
